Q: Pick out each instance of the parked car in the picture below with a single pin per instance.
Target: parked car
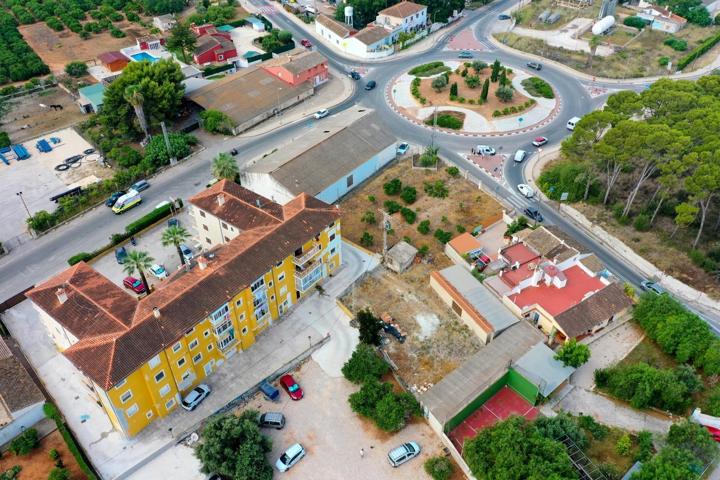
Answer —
(306, 43)
(535, 65)
(193, 399)
(403, 148)
(234, 152)
(120, 255)
(134, 284)
(321, 113)
(354, 75)
(113, 198)
(534, 214)
(88, 151)
(291, 387)
(391, 330)
(173, 222)
(403, 453)
(274, 420)
(140, 185)
(186, 252)
(504, 16)
(465, 54)
(158, 271)
(526, 190)
(540, 141)
(370, 85)
(269, 392)
(519, 156)
(483, 150)
(291, 456)
(650, 286)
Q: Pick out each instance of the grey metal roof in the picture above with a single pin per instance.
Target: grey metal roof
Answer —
(454, 392)
(479, 297)
(540, 367)
(334, 148)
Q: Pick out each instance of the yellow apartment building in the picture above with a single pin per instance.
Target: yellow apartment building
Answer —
(141, 356)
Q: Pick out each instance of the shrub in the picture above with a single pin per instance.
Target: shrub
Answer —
(151, 218)
(409, 195)
(454, 89)
(79, 257)
(645, 446)
(624, 445)
(504, 93)
(663, 61)
(367, 239)
(439, 468)
(589, 424)
(427, 69)
(364, 364)
(559, 426)
(76, 69)
(642, 223)
(25, 443)
(369, 218)
(215, 121)
(635, 22)
(438, 83)
(388, 410)
(423, 250)
(371, 198)
(445, 121)
(424, 227)
(59, 474)
(460, 229)
(520, 223)
(53, 454)
(496, 113)
(472, 81)
(443, 236)
(573, 354)
(125, 156)
(4, 140)
(408, 214)
(436, 189)
(391, 206)
(453, 171)
(393, 187)
(676, 44)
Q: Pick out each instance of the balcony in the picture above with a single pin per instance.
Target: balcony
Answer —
(307, 256)
(304, 279)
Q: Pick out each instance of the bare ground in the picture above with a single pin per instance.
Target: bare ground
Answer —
(27, 112)
(37, 464)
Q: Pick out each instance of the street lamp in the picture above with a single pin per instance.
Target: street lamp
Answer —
(20, 194)
(309, 341)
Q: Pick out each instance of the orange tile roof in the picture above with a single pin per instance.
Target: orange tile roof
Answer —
(402, 10)
(118, 333)
(464, 243)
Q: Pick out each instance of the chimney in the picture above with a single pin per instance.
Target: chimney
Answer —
(257, 203)
(156, 312)
(221, 199)
(61, 295)
(202, 262)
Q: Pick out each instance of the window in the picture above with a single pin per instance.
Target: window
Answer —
(197, 358)
(272, 298)
(238, 303)
(332, 237)
(241, 317)
(176, 347)
(149, 414)
(210, 347)
(170, 404)
(190, 331)
(185, 376)
(126, 396)
(281, 277)
(206, 333)
(220, 57)
(270, 284)
(205, 227)
(132, 410)
(220, 313)
(331, 225)
(224, 225)
(456, 308)
(181, 362)
(120, 384)
(193, 344)
(244, 331)
(154, 362)
(257, 284)
(160, 375)
(207, 240)
(202, 213)
(332, 251)
(223, 327)
(279, 264)
(226, 239)
(165, 390)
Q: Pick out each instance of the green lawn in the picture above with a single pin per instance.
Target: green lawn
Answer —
(648, 351)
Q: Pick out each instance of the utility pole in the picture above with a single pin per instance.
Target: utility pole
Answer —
(173, 160)
(20, 194)
(386, 225)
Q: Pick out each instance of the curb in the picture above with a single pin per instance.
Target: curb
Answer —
(362, 249)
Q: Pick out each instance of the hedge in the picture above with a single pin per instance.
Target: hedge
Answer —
(52, 412)
(80, 257)
(699, 50)
(446, 121)
(149, 219)
(425, 68)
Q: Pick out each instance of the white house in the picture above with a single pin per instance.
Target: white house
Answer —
(164, 22)
(402, 17)
(371, 42)
(662, 19)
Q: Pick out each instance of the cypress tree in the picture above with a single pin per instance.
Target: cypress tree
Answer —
(485, 89)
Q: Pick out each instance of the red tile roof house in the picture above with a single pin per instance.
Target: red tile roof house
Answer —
(213, 46)
(113, 61)
(298, 68)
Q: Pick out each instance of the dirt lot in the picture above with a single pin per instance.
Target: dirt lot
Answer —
(37, 465)
(465, 205)
(57, 49)
(486, 110)
(528, 16)
(27, 112)
(657, 247)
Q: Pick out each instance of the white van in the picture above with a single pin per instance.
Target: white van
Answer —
(572, 122)
(311, 10)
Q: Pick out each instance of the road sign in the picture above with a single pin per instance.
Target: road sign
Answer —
(520, 119)
(564, 196)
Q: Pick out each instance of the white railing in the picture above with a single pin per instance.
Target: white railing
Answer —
(307, 256)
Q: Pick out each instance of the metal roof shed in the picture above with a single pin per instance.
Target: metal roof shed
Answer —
(540, 367)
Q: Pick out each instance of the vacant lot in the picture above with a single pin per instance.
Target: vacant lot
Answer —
(465, 206)
(28, 118)
(57, 49)
(37, 464)
(528, 16)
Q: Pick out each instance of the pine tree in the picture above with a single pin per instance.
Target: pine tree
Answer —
(485, 90)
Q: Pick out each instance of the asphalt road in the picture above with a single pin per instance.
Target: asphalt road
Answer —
(41, 258)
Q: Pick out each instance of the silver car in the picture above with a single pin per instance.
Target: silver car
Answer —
(403, 453)
(650, 286)
(291, 456)
(193, 399)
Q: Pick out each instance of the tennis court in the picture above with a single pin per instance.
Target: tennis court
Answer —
(505, 403)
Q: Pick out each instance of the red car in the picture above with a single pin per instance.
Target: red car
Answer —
(540, 141)
(305, 43)
(291, 387)
(134, 284)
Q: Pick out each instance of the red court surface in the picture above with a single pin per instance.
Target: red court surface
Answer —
(502, 405)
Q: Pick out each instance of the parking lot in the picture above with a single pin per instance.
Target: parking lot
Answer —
(333, 435)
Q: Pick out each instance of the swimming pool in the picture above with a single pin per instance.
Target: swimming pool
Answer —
(139, 57)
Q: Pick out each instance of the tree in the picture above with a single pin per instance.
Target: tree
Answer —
(513, 449)
(703, 184)
(670, 464)
(495, 70)
(225, 167)
(388, 410)
(439, 83)
(623, 446)
(175, 235)
(76, 69)
(559, 426)
(505, 94)
(485, 90)
(439, 468)
(25, 443)
(182, 38)
(363, 401)
(156, 152)
(573, 354)
(125, 156)
(472, 81)
(369, 327)
(479, 66)
(694, 438)
(234, 447)
(215, 121)
(454, 89)
(138, 261)
(364, 364)
(503, 80)
(134, 96)
(161, 7)
(59, 474)
(595, 42)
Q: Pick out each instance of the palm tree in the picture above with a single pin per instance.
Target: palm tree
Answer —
(138, 261)
(175, 235)
(225, 167)
(134, 97)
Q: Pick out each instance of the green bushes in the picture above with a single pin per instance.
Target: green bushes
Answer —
(443, 236)
(445, 121)
(409, 195)
(504, 93)
(436, 189)
(439, 468)
(367, 239)
(76, 69)
(369, 218)
(676, 44)
(424, 227)
(663, 61)
(453, 90)
(215, 121)
(393, 187)
(408, 214)
(415, 91)
(25, 443)
(537, 87)
(520, 223)
(698, 51)
(562, 177)
(635, 22)
(148, 219)
(428, 69)
(364, 365)
(642, 223)
(515, 108)
(80, 257)
(453, 171)
(377, 401)
(391, 206)
(573, 354)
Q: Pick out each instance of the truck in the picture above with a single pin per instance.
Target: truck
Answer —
(126, 202)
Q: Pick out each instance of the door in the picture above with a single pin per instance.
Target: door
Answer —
(209, 367)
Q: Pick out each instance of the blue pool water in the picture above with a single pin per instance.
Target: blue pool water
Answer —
(139, 57)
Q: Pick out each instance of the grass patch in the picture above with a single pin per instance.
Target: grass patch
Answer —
(649, 352)
(448, 119)
(537, 87)
(604, 452)
(429, 69)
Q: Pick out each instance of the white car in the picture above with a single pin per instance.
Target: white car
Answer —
(483, 150)
(403, 453)
(193, 399)
(186, 252)
(291, 456)
(158, 271)
(403, 148)
(520, 156)
(321, 113)
(526, 190)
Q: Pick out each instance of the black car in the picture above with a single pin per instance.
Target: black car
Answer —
(354, 75)
(535, 65)
(173, 222)
(370, 85)
(113, 198)
(504, 16)
(234, 152)
(534, 214)
(89, 151)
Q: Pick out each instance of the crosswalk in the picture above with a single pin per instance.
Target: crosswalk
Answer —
(267, 10)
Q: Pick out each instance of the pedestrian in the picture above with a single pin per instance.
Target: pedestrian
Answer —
(362, 453)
